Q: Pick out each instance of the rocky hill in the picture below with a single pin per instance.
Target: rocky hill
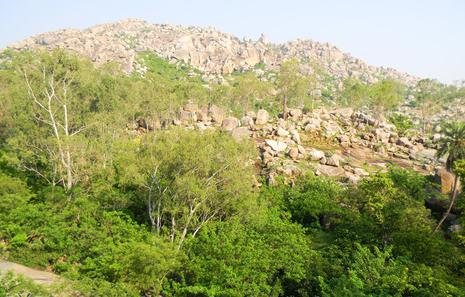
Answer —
(340, 143)
(207, 49)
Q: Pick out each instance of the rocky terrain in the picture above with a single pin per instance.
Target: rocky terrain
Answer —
(339, 143)
(206, 49)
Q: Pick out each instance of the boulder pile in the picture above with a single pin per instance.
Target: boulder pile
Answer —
(339, 143)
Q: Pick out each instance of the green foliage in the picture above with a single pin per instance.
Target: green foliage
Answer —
(453, 142)
(234, 259)
(291, 83)
(174, 212)
(160, 66)
(402, 122)
(386, 95)
(312, 199)
(355, 94)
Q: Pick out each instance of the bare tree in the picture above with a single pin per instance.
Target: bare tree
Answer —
(51, 106)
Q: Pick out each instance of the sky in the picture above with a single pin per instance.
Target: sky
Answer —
(422, 37)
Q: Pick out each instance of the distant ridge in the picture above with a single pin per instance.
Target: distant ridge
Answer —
(207, 49)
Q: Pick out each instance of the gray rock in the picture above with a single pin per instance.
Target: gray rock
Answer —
(281, 132)
(277, 146)
(316, 155)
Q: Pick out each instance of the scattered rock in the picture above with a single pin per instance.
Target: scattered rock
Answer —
(277, 146)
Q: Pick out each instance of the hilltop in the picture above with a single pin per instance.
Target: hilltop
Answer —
(207, 49)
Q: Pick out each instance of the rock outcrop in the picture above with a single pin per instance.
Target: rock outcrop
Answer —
(345, 145)
(206, 49)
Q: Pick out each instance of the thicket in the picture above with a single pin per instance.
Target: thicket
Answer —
(176, 212)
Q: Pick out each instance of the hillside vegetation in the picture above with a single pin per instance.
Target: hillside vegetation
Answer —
(167, 210)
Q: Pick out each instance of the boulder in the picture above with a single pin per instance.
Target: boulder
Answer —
(247, 121)
(281, 132)
(330, 170)
(316, 155)
(240, 133)
(216, 113)
(360, 172)
(293, 153)
(229, 124)
(334, 160)
(277, 146)
(262, 117)
(445, 179)
(295, 136)
(403, 141)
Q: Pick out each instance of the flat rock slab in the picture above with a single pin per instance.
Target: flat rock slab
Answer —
(37, 276)
(330, 170)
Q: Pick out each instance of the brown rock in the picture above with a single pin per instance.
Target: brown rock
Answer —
(262, 117)
(216, 113)
(293, 153)
(330, 170)
(229, 124)
(240, 133)
(446, 180)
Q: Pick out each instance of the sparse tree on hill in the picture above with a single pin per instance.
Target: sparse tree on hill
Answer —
(291, 83)
(385, 95)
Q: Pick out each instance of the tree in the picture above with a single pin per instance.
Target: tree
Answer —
(188, 179)
(55, 101)
(372, 273)
(452, 145)
(385, 95)
(428, 99)
(354, 94)
(291, 83)
(231, 258)
(248, 88)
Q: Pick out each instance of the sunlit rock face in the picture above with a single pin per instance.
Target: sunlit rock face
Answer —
(206, 49)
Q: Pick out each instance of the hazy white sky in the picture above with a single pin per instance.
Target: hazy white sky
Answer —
(422, 37)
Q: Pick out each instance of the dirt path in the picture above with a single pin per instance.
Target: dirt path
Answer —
(37, 276)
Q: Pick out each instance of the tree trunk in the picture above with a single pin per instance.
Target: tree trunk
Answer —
(285, 108)
(452, 202)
